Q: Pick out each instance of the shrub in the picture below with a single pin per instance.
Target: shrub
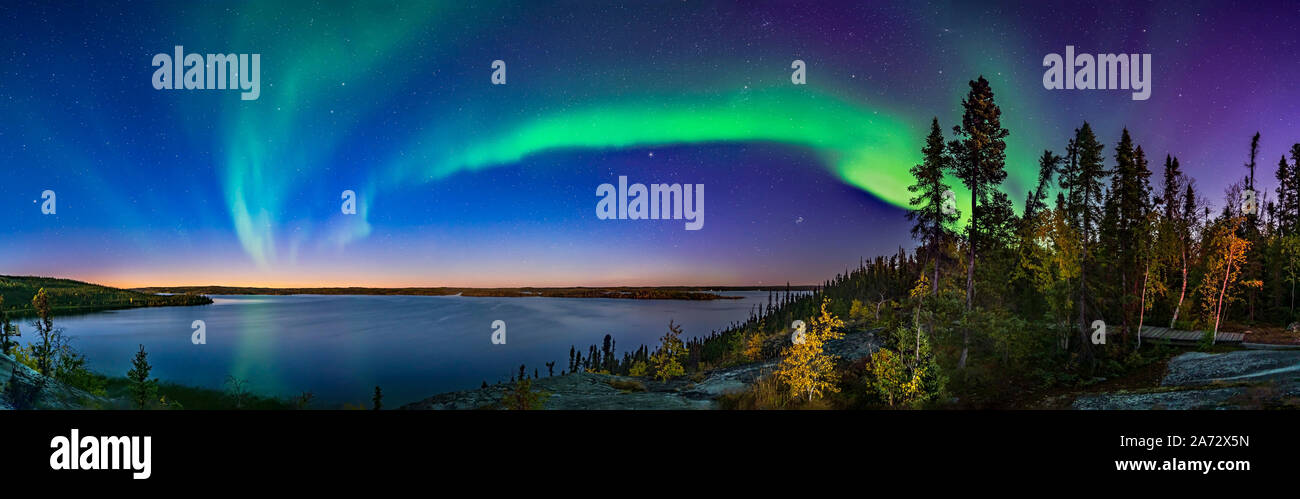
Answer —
(668, 358)
(805, 367)
(523, 398)
(627, 385)
(639, 368)
(754, 346)
(70, 369)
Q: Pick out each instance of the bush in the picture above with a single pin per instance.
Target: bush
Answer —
(523, 398)
(70, 369)
(24, 356)
(627, 385)
(672, 352)
(22, 391)
(1206, 342)
(639, 368)
(754, 346)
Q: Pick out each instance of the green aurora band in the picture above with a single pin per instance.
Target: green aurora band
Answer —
(871, 150)
(274, 149)
(865, 148)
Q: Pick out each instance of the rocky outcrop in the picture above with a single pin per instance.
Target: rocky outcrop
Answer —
(584, 391)
(588, 391)
(1197, 368)
(51, 394)
(1240, 379)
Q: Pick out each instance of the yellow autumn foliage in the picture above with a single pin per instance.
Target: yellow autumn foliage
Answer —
(805, 367)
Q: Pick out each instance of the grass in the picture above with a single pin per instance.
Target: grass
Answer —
(768, 393)
(627, 385)
(196, 398)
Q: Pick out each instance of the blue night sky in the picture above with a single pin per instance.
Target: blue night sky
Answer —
(465, 183)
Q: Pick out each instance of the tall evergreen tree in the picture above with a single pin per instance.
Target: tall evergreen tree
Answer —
(1085, 188)
(1286, 181)
(1288, 194)
(142, 389)
(1130, 197)
(1254, 151)
(1251, 269)
(930, 223)
(1169, 197)
(979, 154)
(1070, 200)
(1036, 200)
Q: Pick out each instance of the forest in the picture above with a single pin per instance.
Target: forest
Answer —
(16, 293)
(1002, 302)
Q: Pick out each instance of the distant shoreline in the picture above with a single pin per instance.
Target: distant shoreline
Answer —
(67, 297)
(620, 292)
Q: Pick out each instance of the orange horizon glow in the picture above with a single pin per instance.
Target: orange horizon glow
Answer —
(116, 281)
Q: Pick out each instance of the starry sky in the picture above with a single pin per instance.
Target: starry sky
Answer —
(465, 183)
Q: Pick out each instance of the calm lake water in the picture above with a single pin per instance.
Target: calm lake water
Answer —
(340, 347)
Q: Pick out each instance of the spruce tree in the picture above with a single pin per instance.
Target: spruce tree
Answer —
(1036, 200)
(1290, 203)
(1250, 166)
(1069, 199)
(1085, 188)
(1250, 268)
(979, 154)
(142, 389)
(1170, 196)
(1286, 182)
(930, 223)
(1128, 227)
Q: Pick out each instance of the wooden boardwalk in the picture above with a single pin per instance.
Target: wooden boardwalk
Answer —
(1185, 337)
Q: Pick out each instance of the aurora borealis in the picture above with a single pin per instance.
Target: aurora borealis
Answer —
(465, 183)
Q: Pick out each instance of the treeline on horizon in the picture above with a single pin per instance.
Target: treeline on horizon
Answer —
(17, 292)
(983, 313)
(621, 292)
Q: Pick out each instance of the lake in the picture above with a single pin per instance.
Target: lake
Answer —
(341, 347)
